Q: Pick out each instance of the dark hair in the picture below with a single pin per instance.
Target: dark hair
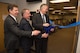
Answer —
(23, 11)
(43, 5)
(10, 6)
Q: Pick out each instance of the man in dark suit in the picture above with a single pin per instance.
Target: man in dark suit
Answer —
(40, 20)
(25, 24)
(12, 31)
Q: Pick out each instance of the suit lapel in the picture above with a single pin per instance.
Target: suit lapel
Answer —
(29, 24)
(47, 18)
(12, 18)
(14, 21)
(40, 17)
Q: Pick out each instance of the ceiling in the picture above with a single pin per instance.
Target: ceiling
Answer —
(58, 7)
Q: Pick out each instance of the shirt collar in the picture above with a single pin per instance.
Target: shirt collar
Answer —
(13, 17)
(28, 20)
(41, 13)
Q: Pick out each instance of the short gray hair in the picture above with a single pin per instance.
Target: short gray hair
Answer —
(43, 5)
(23, 11)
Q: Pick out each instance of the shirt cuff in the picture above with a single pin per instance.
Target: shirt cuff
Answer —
(31, 34)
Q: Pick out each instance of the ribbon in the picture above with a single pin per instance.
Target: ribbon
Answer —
(70, 25)
(47, 29)
(67, 26)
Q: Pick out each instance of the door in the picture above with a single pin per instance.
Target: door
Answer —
(3, 13)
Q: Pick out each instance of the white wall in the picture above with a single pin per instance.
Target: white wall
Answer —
(35, 5)
(24, 4)
(8, 1)
(30, 5)
(78, 44)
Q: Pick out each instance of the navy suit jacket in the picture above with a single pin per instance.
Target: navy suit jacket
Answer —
(24, 25)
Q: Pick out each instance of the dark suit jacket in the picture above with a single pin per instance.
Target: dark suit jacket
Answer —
(37, 22)
(12, 33)
(25, 41)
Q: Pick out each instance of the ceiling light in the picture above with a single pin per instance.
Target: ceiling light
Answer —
(51, 8)
(59, 1)
(57, 10)
(69, 7)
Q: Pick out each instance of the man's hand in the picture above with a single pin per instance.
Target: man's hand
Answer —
(35, 32)
(44, 35)
(46, 24)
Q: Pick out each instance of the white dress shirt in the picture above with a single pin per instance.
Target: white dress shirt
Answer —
(43, 17)
(13, 17)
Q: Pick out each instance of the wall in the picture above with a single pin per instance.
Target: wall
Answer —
(33, 6)
(78, 16)
(30, 5)
(9, 1)
(24, 4)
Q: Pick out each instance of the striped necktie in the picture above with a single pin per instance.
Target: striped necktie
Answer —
(43, 17)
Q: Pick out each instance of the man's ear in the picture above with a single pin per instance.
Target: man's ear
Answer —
(10, 10)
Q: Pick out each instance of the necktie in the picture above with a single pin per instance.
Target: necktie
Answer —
(43, 18)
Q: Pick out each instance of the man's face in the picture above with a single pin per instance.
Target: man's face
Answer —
(45, 9)
(14, 11)
(27, 14)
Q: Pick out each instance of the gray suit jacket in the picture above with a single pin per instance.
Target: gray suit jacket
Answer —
(12, 33)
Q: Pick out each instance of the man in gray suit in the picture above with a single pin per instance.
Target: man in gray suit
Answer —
(12, 32)
(39, 21)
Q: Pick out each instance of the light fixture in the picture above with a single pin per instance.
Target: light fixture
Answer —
(51, 8)
(73, 7)
(59, 1)
(56, 11)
